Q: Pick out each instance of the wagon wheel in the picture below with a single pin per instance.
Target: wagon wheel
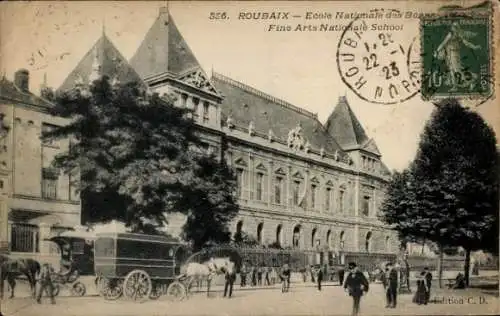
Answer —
(78, 289)
(137, 285)
(176, 291)
(110, 289)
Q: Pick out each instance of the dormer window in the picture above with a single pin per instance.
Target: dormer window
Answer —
(206, 107)
(196, 103)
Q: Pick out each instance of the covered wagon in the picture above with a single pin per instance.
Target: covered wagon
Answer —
(137, 266)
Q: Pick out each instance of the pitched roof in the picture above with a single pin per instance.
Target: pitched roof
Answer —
(245, 104)
(103, 59)
(163, 50)
(345, 127)
(8, 90)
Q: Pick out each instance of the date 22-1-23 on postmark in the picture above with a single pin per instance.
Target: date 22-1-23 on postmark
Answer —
(456, 56)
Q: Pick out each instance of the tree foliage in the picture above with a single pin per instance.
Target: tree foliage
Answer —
(449, 194)
(139, 158)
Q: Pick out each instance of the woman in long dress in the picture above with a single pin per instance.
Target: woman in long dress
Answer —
(419, 297)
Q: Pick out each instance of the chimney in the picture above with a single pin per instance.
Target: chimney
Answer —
(22, 79)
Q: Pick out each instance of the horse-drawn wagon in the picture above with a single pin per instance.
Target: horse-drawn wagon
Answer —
(138, 266)
(77, 258)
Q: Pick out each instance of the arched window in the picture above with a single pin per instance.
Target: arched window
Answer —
(260, 229)
(237, 233)
(296, 236)
(387, 244)
(329, 239)
(368, 241)
(313, 237)
(278, 234)
(341, 240)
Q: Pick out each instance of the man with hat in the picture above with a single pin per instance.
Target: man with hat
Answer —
(355, 284)
(390, 280)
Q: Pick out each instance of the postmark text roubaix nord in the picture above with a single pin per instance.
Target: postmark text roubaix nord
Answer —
(375, 66)
(456, 55)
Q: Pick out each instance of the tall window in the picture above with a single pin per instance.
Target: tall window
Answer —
(328, 195)
(313, 196)
(239, 186)
(296, 188)
(260, 237)
(49, 183)
(277, 190)
(341, 200)
(258, 189)
(368, 241)
(196, 103)
(341, 240)
(366, 206)
(206, 107)
(24, 238)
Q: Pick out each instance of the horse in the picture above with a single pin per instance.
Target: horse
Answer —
(11, 269)
(199, 272)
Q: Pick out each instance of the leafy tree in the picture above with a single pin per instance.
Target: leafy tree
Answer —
(139, 158)
(449, 194)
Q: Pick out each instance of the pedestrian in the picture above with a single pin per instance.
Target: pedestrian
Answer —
(421, 293)
(304, 274)
(319, 277)
(259, 275)
(254, 276)
(268, 272)
(230, 276)
(44, 282)
(243, 275)
(311, 271)
(391, 285)
(428, 284)
(341, 273)
(355, 284)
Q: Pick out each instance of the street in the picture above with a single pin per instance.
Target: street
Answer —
(303, 299)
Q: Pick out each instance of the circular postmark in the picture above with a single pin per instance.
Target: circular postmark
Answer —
(374, 65)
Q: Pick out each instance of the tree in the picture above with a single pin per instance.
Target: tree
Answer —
(139, 158)
(449, 194)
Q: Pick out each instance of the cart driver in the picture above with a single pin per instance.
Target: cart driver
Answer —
(66, 261)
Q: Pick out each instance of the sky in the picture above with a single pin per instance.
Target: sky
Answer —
(50, 38)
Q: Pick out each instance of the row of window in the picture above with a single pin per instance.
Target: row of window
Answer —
(196, 103)
(279, 190)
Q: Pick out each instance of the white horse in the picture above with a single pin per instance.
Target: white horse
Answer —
(199, 272)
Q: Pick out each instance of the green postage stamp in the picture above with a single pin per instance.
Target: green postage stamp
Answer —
(457, 55)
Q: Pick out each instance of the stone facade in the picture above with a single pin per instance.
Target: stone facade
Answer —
(32, 192)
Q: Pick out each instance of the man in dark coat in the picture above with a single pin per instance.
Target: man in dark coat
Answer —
(428, 283)
(390, 280)
(355, 284)
(319, 277)
(230, 275)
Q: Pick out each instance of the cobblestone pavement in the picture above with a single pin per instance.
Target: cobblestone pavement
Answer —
(301, 300)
